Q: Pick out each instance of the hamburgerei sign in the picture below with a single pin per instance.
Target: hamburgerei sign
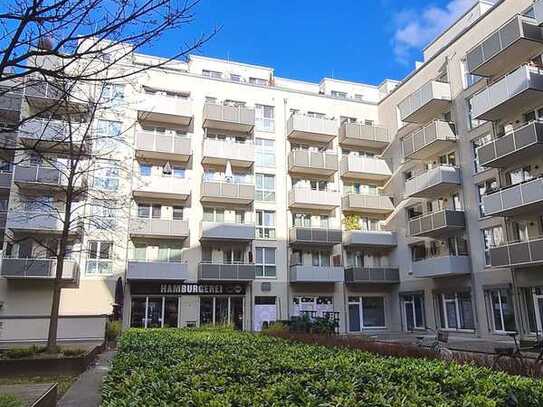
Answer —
(189, 289)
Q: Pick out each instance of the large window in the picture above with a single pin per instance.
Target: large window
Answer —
(500, 310)
(366, 312)
(483, 189)
(108, 135)
(214, 215)
(492, 237)
(314, 306)
(264, 118)
(106, 176)
(113, 94)
(455, 311)
(265, 224)
(472, 123)
(100, 258)
(154, 312)
(481, 141)
(265, 262)
(413, 311)
(265, 153)
(265, 187)
(103, 215)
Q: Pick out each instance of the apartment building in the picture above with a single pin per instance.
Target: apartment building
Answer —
(252, 198)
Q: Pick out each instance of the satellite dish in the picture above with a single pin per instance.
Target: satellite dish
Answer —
(167, 169)
(46, 43)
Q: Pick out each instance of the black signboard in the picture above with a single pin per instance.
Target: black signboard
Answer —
(169, 288)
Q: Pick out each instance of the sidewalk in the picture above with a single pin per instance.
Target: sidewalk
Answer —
(86, 390)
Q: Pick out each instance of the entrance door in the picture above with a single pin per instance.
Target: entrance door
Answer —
(171, 312)
(154, 312)
(538, 302)
(236, 312)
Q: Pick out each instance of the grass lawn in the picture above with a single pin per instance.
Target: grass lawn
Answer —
(64, 382)
(209, 367)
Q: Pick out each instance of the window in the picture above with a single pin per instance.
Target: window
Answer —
(113, 94)
(108, 135)
(413, 310)
(483, 189)
(472, 123)
(146, 211)
(301, 220)
(366, 312)
(265, 224)
(320, 258)
(39, 203)
(265, 262)
(265, 187)
(475, 145)
(214, 215)
(177, 213)
(469, 79)
(491, 237)
(500, 310)
(235, 78)
(211, 74)
(264, 118)
(518, 175)
(258, 81)
(103, 215)
(319, 306)
(100, 257)
(338, 94)
(145, 169)
(178, 172)
(106, 176)
(5, 166)
(265, 153)
(455, 311)
(358, 97)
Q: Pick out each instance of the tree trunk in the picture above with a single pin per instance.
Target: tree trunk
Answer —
(53, 318)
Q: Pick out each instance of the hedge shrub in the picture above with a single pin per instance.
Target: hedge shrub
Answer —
(189, 367)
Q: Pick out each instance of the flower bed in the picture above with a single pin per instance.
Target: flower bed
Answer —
(224, 368)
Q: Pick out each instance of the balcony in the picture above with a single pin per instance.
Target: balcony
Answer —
(376, 204)
(226, 272)
(157, 146)
(309, 128)
(216, 152)
(433, 139)
(158, 228)
(374, 169)
(520, 39)
(427, 103)
(445, 266)
(231, 118)
(42, 94)
(308, 162)
(41, 178)
(157, 271)
(314, 236)
(312, 199)
(10, 106)
(437, 224)
(433, 183)
(223, 192)
(42, 222)
(316, 274)
(372, 275)
(517, 92)
(523, 198)
(370, 238)
(518, 254)
(165, 109)
(516, 146)
(38, 269)
(5, 180)
(56, 134)
(364, 135)
(227, 231)
(169, 188)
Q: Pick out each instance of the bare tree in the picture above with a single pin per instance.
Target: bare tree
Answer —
(61, 57)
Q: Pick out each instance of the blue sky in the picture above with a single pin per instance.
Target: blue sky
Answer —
(364, 40)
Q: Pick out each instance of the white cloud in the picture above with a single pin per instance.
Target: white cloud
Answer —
(416, 28)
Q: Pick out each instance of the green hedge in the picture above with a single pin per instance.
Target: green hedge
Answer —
(227, 368)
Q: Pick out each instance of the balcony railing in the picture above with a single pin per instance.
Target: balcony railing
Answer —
(42, 221)
(370, 238)
(433, 139)
(370, 168)
(227, 231)
(520, 39)
(5, 180)
(443, 266)
(38, 268)
(515, 199)
(224, 192)
(517, 92)
(518, 254)
(316, 274)
(53, 131)
(157, 271)
(435, 182)
(309, 198)
(159, 228)
(437, 223)
(234, 118)
(367, 203)
(316, 129)
(372, 275)
(515, 146)
(226, 272)
(219, 152)
(364, 135)
(426, 103)
(315, 235)
(310, 162)
(160, 146)
(165, 109)
(162, 187)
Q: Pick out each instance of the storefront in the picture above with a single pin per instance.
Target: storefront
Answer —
(160, 305)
